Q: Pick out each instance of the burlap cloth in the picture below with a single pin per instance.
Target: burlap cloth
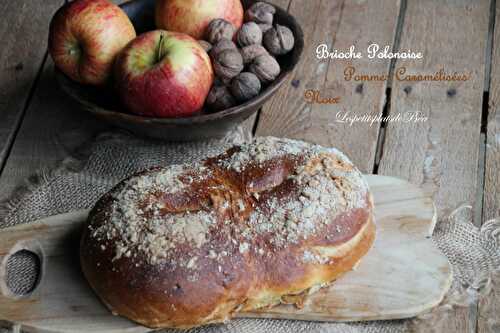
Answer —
(82, 179)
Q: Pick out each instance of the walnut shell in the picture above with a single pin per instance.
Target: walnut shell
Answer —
(250, 52)
(219, 29)
(223, 44)
(264, 27)
(220, 98)
(206, 45)
(249, 34)
(266, 68)
(279, 40)
(260, 12)
(245, 86)
(227, 64)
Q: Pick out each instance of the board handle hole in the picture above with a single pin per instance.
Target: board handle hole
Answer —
(23, 271)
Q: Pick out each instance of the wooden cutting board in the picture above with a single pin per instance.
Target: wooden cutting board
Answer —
(403, 275)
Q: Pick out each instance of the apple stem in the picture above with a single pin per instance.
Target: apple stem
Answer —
(160, 49)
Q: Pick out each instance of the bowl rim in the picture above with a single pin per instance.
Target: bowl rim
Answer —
(197, 118)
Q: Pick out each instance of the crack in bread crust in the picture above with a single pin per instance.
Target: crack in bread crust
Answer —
(189, 245)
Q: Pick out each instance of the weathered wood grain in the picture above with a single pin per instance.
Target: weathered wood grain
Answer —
(51, 130)
(339, 24)
(23, 32)
(492, 168)
(287, 114)
(441, 154)
(489, 306)
(357, 27)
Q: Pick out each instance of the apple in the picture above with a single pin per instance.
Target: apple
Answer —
(193, 16)
(163, 74)
(85, 37)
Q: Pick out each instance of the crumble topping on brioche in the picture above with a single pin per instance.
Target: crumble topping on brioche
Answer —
(262, 224)
(258, 198)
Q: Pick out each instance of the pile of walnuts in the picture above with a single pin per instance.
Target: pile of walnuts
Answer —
(244, 66)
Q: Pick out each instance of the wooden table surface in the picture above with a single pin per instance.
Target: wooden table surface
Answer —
(455, 154)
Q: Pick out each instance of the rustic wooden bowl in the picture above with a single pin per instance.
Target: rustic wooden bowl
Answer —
(104, 104)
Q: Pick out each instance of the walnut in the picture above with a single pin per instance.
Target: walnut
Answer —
(250, 52)
(219, 29)
(266, 68)
(223, 44)
(260, 12)
(227, 64)
(249, 34)
(206, 45)
(218, 82)
(245, 86)
(279, 40)
(264, 27)
(219, 98)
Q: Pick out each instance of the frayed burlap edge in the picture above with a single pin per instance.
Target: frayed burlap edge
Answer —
(466, 293)
(70, 164)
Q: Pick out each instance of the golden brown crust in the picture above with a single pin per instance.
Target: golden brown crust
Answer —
(189, 245)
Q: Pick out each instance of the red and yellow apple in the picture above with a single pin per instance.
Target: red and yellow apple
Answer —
(193, 16)
(163, 74)
(85, 37)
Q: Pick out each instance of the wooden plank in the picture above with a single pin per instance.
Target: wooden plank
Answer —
(52, 128)
(340, 24)
(492, 169)
(357, 28)
(284, 115)
(441, 154)
(489, 306)
(23, 32)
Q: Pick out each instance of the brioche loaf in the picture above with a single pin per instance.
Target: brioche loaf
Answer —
(259, 225)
